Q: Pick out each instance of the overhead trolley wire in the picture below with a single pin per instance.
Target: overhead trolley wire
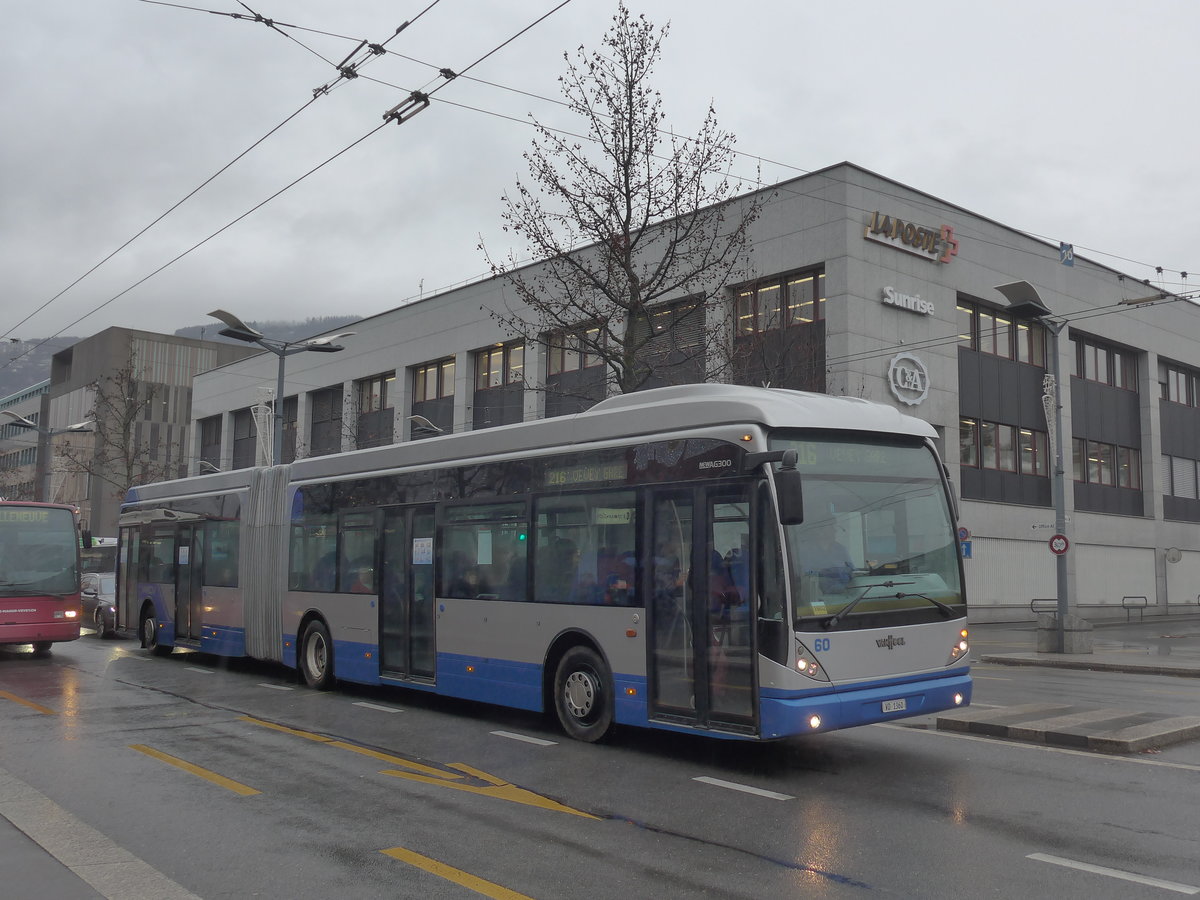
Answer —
(344, 72)
(400, 113)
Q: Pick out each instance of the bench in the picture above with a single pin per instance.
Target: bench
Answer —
(1130, 604)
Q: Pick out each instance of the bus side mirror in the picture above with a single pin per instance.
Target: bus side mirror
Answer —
(786, 479)
(790, 495)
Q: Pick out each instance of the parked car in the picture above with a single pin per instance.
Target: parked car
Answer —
(100, 602)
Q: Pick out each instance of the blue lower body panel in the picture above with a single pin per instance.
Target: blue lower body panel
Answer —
(784, 714)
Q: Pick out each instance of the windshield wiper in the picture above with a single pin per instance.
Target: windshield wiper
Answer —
(829, 622)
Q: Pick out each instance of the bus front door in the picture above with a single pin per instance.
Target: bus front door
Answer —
(189, 596)
(407, 642)
(702, 654)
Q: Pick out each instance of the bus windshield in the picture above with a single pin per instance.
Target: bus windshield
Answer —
(38, 552)
(878, 535)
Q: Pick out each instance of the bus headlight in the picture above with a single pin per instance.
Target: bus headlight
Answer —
(807, 665)
(960, 648)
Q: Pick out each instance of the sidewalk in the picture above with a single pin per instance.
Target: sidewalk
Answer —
(1153, 646)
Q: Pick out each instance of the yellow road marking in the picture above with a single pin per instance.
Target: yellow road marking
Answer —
(227, 783)
(497, 788)
(458, 876)
(493, 786)
(45, 710)
(342, 745)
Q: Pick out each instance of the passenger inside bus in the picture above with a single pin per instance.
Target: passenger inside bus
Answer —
(827, 559)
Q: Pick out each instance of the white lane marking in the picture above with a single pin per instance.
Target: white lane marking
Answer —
(744, 788)
(528, 740)
(276, 687)
(1115, 873)
(387, 709)
(195, 669)
(1013, 745)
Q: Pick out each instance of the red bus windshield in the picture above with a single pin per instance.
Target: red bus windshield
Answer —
(39, 574)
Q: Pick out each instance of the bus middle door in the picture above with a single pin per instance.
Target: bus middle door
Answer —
(189, 595)
(407, 642)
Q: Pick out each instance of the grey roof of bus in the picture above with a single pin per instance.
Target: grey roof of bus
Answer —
(660, 410)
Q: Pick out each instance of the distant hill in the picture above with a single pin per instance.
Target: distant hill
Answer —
(25, 363)
(284, 331)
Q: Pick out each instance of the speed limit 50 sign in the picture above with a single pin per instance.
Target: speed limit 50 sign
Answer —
(1059, 544)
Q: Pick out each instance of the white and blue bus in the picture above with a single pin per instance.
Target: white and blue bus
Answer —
(739, 562)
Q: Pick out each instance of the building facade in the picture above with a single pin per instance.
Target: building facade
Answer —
(866, 287)
(19, 444)
(134, 391)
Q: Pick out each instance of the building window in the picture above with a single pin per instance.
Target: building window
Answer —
(779, 332)
(1034, 452)
(376, 417)
(968, 442)
(988, 330)
(291, 412)
(1005, 448)
(499, 365)
(245, 440)
(210, 441)
(499, 385)
(433, 381)
(1105, 363)
(575, 374)
(433, 398)
(326, 435)
(793, 300)
(1109, 465)
(1178, 383)
(567, 351)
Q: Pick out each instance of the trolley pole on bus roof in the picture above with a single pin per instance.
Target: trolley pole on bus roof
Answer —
(1025, 303)
(239, 330)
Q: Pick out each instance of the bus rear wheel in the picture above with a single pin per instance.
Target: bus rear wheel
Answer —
(41, 648)
(316, 656)
(583, 696)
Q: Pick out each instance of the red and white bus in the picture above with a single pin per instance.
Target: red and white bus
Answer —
(39, 574)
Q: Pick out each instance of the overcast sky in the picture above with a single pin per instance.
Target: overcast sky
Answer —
(1072, 120)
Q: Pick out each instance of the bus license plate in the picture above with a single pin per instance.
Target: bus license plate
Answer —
(895, 705)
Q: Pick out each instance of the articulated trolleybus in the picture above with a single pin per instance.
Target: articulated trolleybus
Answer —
(739, 562)
(39, 574)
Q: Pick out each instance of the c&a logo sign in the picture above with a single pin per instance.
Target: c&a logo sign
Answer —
(908, 378)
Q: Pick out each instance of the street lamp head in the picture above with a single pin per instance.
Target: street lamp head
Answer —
(1023, 300)
(326, 344)
(237, 329)
(19, 420)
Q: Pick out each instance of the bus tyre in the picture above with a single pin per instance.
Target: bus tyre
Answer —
(149, 633)
(41, 648)
(583, 695)
(316, 656)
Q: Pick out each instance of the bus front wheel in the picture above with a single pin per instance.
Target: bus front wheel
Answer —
(149, 632)
(41, 648)
(316, 656)
(583, 695)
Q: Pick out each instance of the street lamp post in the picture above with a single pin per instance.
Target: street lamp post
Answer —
(1025, 303)
(45, 435)
(239, 330)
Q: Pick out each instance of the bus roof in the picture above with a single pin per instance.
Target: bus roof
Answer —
(661, 411)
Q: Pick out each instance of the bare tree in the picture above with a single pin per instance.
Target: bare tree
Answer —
(119, 452)
(633, 227)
